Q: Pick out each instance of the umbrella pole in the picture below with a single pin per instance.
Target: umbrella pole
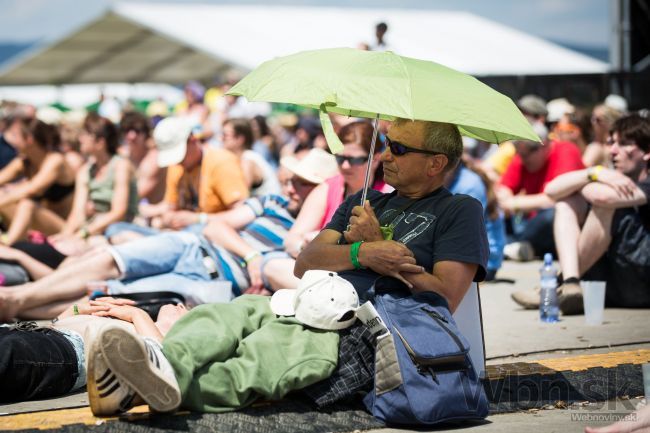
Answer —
(366, 181)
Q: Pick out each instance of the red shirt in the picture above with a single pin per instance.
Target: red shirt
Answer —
(563, 157)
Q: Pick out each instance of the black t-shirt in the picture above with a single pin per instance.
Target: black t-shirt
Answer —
(642, 211)
(7, 152)
(438, 227)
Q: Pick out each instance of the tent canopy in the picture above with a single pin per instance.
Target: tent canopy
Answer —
(172, 43)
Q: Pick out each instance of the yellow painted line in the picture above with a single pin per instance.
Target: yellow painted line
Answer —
(575, 363)
(54, 419)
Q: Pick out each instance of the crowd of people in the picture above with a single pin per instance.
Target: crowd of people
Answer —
(219, 193)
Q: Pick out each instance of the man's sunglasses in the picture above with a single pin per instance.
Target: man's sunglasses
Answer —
(352, 160)
(399, 149)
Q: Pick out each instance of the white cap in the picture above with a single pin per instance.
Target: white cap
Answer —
(322, 300)
(557, 108)
(617, 102)
(316, 167)
(170, 136)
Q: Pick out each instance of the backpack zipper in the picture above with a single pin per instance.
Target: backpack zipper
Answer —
(442, 321)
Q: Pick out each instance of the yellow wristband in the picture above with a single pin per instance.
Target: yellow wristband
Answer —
(592, 172)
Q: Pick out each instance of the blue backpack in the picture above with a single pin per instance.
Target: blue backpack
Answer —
(423, 374)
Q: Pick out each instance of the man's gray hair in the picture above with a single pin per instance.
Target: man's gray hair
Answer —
(441, 137)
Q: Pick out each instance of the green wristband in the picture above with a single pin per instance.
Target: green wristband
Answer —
(354, 255)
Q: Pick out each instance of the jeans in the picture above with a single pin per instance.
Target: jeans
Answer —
(172, 262)
(35, 363)
(122, 226)
(538, 231)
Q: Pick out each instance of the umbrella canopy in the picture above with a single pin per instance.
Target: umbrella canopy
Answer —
(375, 84)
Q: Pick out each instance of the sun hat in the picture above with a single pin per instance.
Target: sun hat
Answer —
(323, 300)
(532, 104)
(170, 136)
(316, 167)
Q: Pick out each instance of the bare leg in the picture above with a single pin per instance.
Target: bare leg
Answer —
(63, 284)
(569, 216)
(595, 237)
(28, 214)
(279, 272)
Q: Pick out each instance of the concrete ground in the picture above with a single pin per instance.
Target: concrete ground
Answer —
(513, 334)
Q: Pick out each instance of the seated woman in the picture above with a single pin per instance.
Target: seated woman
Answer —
(258, 173)
(323, 201)
(105, 191)
(43, 199)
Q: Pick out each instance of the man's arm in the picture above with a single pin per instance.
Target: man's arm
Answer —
(605, 196)
(384, 257)
(450, 279)
(527, 202)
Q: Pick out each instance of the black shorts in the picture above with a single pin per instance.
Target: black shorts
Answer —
(626, 264)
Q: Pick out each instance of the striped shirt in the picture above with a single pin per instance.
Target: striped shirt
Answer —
(265, 233)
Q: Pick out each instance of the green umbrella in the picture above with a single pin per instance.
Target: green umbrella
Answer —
(383, 85)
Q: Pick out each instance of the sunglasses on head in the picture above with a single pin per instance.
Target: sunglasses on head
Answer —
(352, 160)
(399, 149)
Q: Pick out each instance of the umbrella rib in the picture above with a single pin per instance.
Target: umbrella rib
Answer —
(410, 90)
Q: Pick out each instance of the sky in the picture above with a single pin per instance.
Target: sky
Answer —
(579, 22)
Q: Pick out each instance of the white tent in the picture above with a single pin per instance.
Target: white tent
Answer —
(81, 95)
(135, 42)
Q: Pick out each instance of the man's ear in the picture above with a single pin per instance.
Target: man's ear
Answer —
(646, 156)
(437, 164)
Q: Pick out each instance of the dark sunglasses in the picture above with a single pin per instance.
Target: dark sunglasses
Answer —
(352, 160)
(399, 149)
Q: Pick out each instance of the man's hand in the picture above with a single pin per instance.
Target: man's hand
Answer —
(179, 219)
(623, 185)
(389, 258)
(364, 225)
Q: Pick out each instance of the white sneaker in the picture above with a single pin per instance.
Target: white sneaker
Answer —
(139, 363)
(520, 251)
(108, 395)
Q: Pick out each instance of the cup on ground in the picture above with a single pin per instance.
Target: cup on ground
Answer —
(593, 298)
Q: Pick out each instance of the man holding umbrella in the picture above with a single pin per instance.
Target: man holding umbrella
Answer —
(437, 240)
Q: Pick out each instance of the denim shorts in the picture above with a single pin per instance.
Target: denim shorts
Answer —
(171, 261)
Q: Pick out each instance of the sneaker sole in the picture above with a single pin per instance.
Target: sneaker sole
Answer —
(127, 356)
(571, 304)
(93, 393)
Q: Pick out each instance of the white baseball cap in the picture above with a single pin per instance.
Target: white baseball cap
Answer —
(170, 136)
(316, 167)
(322, 300)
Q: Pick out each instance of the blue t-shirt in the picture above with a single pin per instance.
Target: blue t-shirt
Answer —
(467, 182)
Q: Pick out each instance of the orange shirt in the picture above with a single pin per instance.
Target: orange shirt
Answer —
(214, 186)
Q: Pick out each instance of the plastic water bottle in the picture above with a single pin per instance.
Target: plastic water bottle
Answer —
(549, 310)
